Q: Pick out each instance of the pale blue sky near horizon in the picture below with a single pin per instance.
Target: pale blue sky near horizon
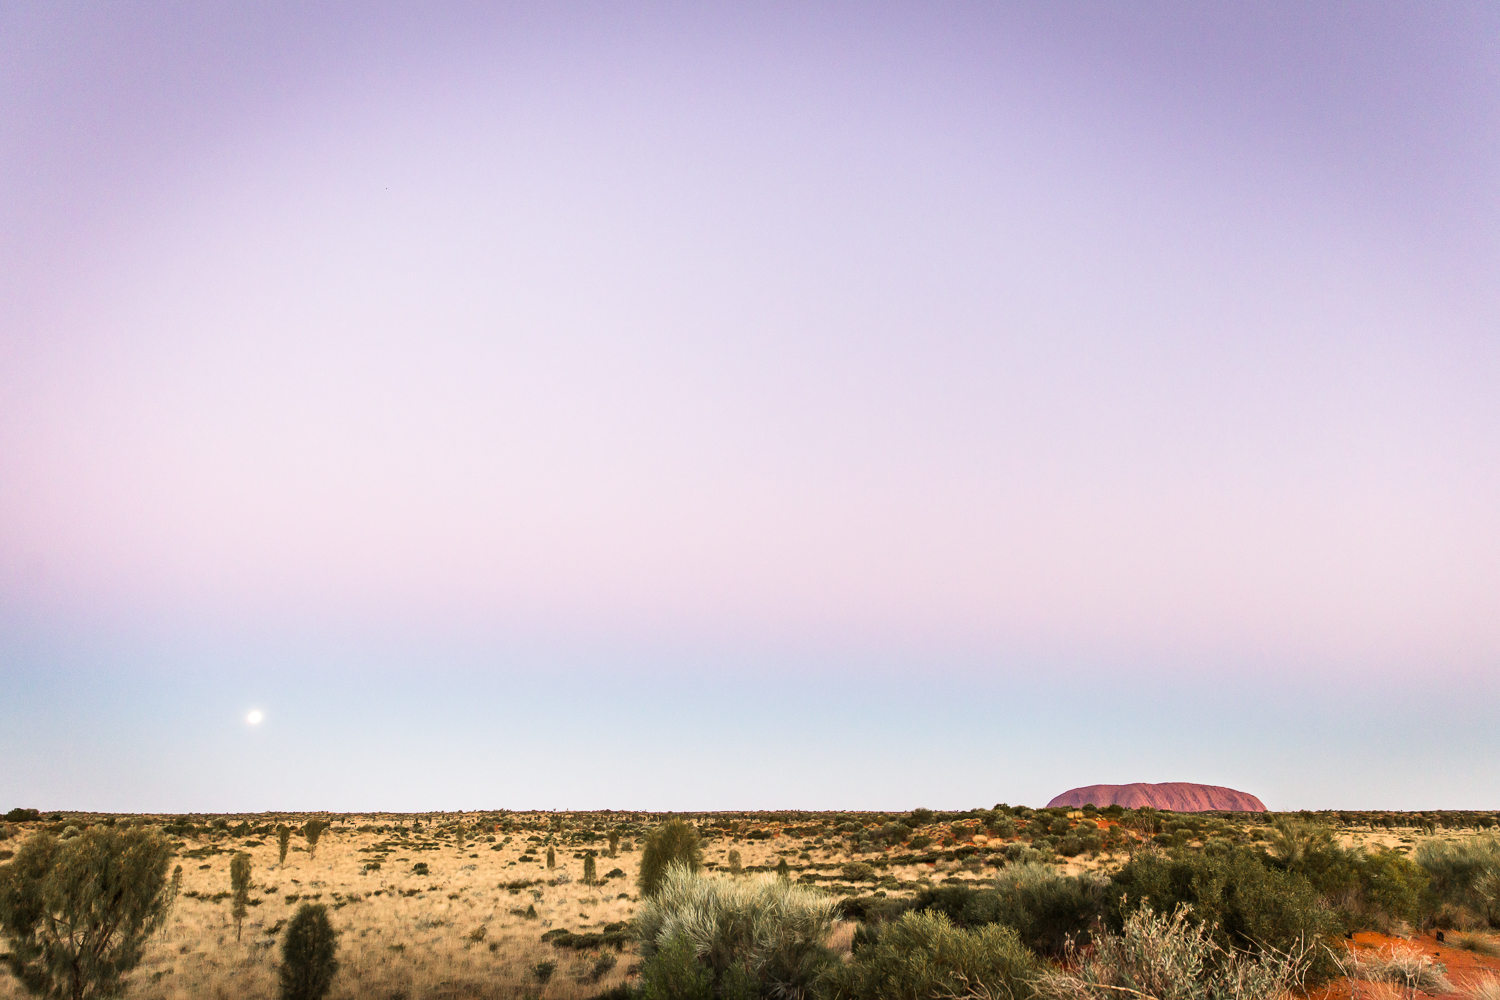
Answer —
(691, 406)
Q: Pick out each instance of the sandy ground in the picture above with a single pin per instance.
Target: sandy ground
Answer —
(462, 928)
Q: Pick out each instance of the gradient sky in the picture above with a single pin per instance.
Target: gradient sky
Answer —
(756, 406)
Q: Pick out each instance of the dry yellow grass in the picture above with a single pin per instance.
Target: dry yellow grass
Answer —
(452, 932)
(448, 934)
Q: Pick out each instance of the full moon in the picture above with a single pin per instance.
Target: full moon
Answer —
(254, 717)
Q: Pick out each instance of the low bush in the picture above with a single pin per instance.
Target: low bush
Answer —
(1246, 905)
(1463, 875)
(926, 955)
(764, 931)
(1404, 966)
(1171, 958)
(1045, 909)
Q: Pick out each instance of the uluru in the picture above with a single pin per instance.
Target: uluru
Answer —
(1178, 796)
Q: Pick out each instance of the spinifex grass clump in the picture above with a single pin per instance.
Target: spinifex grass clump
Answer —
(765, 931)
(1400, 965)
(239, 885)
(308, 955)
(78, 914)
(1172, 958)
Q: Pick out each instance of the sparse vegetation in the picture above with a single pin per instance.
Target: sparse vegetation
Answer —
(410, 931)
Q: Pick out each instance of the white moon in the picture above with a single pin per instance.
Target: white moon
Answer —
(254, 717)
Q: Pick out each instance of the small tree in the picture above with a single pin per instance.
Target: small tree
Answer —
(239, 883)
(313, 830)
(283, 842)
(590, 873)
(614, 842)
(78, 914)
(308, 955)
(551, 858)
(676, 841)
(735, 867)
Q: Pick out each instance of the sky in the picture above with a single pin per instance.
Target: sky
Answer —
(759, 406)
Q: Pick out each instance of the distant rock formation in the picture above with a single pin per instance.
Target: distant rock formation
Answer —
(1178, 796)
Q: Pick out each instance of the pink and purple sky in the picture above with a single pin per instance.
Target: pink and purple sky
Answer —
(706, 406)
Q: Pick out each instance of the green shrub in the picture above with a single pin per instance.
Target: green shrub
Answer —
(551, 858)
(923, 955)
(308, 955)
(283, 842)
(1464, 874)
(1045, 909)
(674, 842)
(78, 914)
(766, 928)
(1246, 905)
(673, 972)
(1171, 958)
(313, 831)
(543, 971)
(735, 866)
(239, 884)
(590, 871)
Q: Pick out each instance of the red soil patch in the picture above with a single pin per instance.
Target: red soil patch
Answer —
(1464, 967)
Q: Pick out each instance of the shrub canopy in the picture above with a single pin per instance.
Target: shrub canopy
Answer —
(78, 913)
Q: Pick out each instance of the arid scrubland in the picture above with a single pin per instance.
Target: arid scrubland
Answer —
(497, 904)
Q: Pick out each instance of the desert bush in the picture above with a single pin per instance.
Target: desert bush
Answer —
(1246, 905)
(78, 914)
(768, 929)
(1171, 958)
(313, 831)
(543, 971)
(308, 955)
(1404, 966)
(19, 815)
(1477, 943)
(283, 843)
(590, 870)
(239, 885)
(735, 865)
(551, 858)
(673, 972)
(924, 955)
(1045, 909)
(1391, 891)
(1464, 874)
(674, 842)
